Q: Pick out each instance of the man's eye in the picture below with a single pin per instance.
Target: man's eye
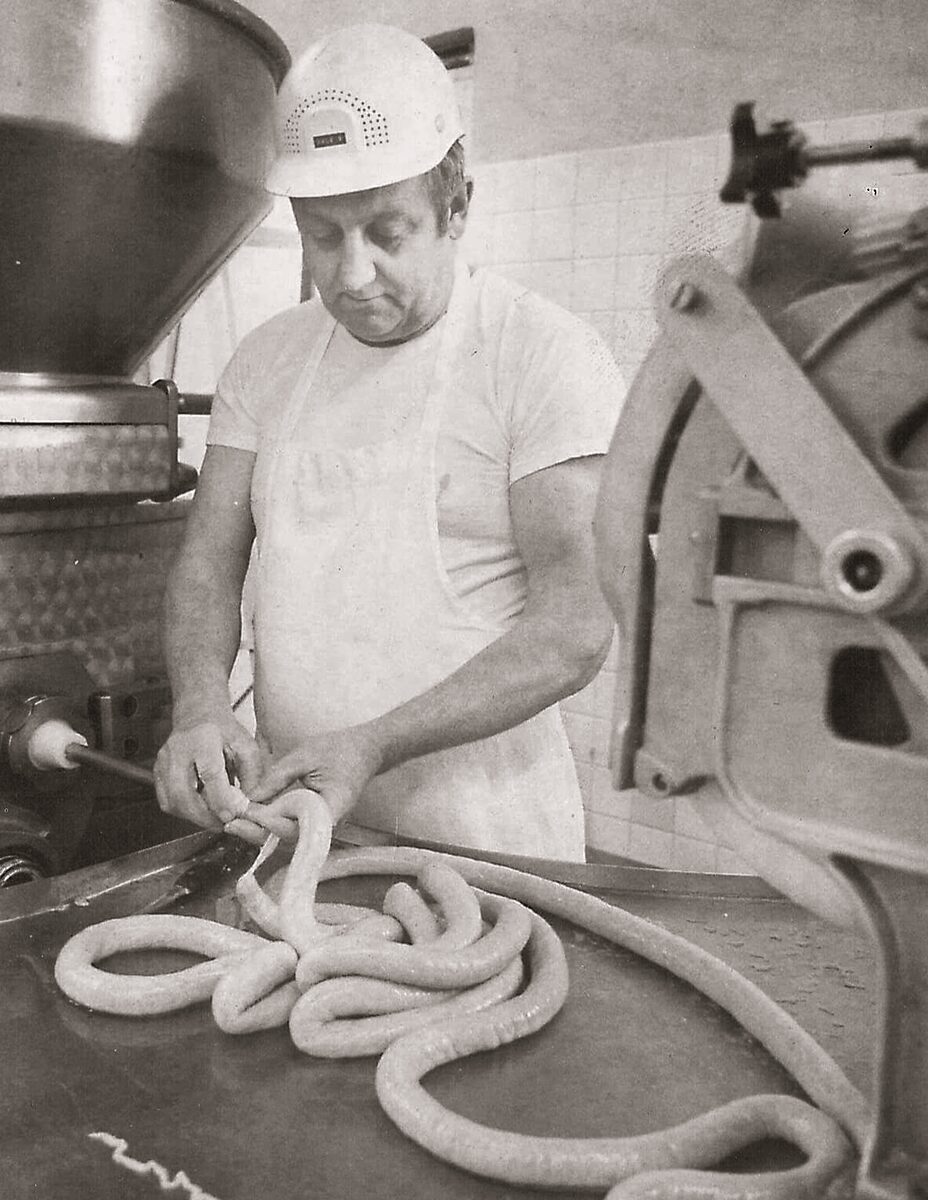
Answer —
(390, 239)
(323, 238)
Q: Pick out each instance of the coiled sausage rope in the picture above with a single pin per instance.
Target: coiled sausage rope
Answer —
(452, 989)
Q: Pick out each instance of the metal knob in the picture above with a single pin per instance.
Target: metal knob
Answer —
(866, 571)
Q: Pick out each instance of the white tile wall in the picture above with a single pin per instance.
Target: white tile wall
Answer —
(591, 230)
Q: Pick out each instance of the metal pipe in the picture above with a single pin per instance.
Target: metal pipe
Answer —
(111, 765)
(857, 152)
(195, 404)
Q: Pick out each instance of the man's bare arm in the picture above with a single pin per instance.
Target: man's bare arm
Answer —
(202, 633)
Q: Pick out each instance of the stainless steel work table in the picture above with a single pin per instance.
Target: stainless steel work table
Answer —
(633, 1050)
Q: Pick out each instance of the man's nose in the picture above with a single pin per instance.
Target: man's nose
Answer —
(356, 266)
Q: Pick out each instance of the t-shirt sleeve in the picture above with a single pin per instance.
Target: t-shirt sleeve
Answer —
(566, 392)
(260, 376)
(232, 419)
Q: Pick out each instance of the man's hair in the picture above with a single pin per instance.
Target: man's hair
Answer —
(443, 182)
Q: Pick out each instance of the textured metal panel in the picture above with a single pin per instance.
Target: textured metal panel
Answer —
(90, 583)
(43, 460)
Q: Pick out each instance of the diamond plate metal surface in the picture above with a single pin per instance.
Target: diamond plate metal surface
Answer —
(89, 582)
(42, 460)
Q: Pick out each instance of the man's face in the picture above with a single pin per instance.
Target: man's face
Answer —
(381, 266)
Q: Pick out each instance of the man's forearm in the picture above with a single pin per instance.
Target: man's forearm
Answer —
(526, 670)
(202, 618)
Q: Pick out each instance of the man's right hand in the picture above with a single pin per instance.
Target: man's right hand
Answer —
(193, 767)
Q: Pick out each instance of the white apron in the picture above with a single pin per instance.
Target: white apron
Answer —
(354, 614)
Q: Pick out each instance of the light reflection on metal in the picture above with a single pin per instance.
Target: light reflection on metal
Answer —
(122, 82)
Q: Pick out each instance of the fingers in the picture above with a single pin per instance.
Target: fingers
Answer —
(279, 776)
(223, 799)
(177, 783)
(339, 800)
(296, 770)
(337, 765)
(248, 757)
(192, 774)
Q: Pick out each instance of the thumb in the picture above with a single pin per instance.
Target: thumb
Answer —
(275, 779)
(338, 799)
(247, 757)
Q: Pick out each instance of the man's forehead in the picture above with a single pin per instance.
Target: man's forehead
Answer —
(408, 198)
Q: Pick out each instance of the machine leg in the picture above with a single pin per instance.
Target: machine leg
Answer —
(895, 1164)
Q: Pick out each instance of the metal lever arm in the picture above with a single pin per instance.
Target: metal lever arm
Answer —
(874, 555)
(658, 406)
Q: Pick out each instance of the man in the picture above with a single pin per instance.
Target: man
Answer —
(416, 453)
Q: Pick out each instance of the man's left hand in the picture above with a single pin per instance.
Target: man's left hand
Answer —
(337, 765)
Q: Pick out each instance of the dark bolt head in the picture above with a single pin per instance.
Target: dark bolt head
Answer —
(683, 296)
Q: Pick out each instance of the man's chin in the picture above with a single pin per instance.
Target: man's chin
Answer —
(370, 326)
(373, 336)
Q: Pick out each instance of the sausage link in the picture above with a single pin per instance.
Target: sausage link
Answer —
(814, 1070)
(318, 1027)
(591, 1162)
(457, 903)
(412, 912)
(141, 995)
(423, 965)
(258, 993)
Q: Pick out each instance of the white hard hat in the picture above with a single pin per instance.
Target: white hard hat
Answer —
(364, 107)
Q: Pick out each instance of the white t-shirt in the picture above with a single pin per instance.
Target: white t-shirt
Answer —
(553, 392)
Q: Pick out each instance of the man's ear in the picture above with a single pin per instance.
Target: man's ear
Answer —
(459, 208)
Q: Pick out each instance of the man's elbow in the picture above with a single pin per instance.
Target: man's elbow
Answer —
(582, 650)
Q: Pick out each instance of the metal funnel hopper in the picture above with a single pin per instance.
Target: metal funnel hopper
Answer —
(134, 140)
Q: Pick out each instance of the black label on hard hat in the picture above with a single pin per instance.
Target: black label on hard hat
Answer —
(329, 139)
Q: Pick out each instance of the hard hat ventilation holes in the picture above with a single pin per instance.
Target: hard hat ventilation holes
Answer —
(373, 123)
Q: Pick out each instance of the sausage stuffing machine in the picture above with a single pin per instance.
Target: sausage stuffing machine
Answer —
(135, 138)
(773, 645)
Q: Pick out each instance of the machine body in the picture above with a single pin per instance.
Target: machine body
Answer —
(135, 140)
(773, 636)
